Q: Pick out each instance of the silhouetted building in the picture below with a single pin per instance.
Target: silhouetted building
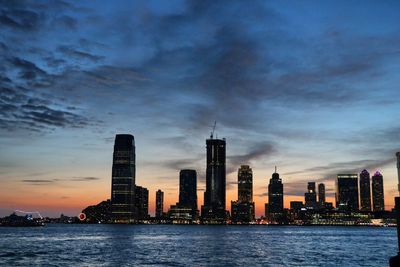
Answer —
(365, 191)
(311, 196)
(321, 194)
(245, 184)
(142, 202)
(347, 192)
(377, 192)
(159, 204)
(242, 211)
(188, 191)
(123, 179)
(214, 208)
(398, 170)
(275, 197)
(296, 206)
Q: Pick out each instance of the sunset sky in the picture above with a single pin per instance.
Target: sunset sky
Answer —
(312, 87)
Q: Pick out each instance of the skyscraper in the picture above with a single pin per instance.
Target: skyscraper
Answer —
(141, 202)
(398, 170)
(188, 189)
(310, 196)
(242, 210)
(123, 179)
(213, 209)
(347, 192)
(159, 203)
(365, 191)
(245, 184)
(275, 197)
(321, 194)
(377, 192)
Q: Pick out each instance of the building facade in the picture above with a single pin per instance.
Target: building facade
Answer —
(347, 192)
(242, 210)
(365, 191)
(377, 192)
(123, 179)
(321, 194)
(398, 170)
(275, 197)
(214, 208)
(188, 191)
(141, 203)
(159, 204)
(310, 196)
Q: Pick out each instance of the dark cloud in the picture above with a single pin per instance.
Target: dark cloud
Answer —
(330, 170)
(84, 179)
(20, 19)
(71, 52)
(260, 150)
(38, 181)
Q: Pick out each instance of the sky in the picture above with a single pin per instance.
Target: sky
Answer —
(311, 87)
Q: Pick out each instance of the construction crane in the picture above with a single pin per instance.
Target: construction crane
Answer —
(212, 133)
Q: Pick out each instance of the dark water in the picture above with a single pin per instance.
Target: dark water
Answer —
(138, 245)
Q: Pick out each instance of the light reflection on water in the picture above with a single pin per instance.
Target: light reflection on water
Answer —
(159, 245)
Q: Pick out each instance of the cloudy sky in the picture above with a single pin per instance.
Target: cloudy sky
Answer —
(309, 86)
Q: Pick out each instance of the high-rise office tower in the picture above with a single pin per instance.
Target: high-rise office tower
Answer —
(365, 191)
(123, 179)
(321, 194)
(188, 191)
(159, 204)
(398, 170)
(245, 184)
(347, 192)
(377, 192)
(310, 196)
(141, 202)
(275, 196)
(213, 209)
(242, 210)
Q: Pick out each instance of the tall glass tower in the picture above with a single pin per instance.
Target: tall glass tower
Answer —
(365, 191)
(275, 197)
(347, 192)
(159, 204)
(213, 209)
(242, 210)
(188, 190)
(123, 179)
(321, 194)
(245, 184)
(377, 192)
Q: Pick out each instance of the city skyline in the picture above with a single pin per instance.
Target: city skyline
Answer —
(305, 86)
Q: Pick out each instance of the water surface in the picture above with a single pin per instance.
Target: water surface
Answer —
(194, 245)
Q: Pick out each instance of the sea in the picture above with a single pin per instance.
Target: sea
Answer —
(196, 245)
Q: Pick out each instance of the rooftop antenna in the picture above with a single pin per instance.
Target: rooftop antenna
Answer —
(275, 169)
(212, 133)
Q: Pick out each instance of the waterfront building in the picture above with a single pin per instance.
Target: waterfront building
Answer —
(242, 210)
(123, 179)
(321, 194)
(365, 191)
(310, 196)
(296, 206)
(188, 191)
(141, 203)
(159, 204)
(214, 208)
(398, 170)
(377, 192)
(347, 192)
(275, 197)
